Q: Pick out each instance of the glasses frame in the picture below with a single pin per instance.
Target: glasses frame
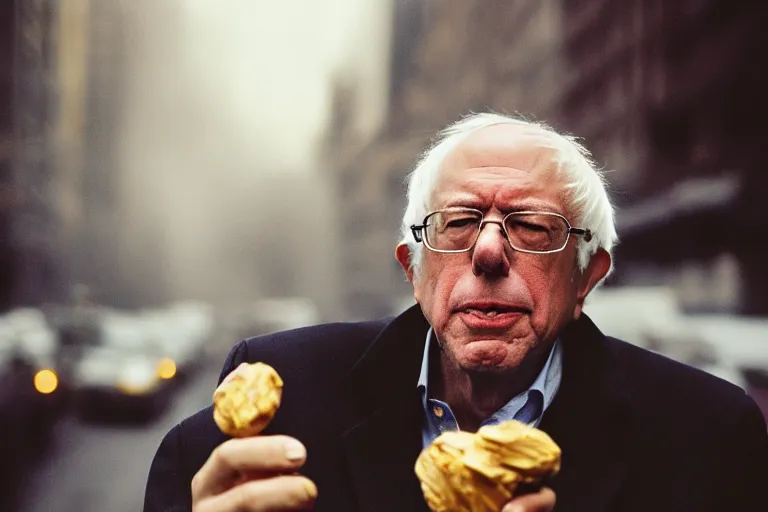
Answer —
(418, 230)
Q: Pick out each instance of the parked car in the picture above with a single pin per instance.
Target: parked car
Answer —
(30, 345)
(29, 411)
(742, 341)
(123, 374)
(181, 332)
(651, 317)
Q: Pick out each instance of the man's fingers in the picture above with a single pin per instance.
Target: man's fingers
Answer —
(267, 455)
(542, 501)
(271, 494)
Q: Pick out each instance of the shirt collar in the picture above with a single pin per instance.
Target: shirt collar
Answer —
(424, 374)
(547, 381)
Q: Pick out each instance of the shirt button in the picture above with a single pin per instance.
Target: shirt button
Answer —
(438, 411)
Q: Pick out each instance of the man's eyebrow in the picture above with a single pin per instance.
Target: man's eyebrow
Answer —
(522, 205)
(527, 205)
(469, 201)
(517, 202)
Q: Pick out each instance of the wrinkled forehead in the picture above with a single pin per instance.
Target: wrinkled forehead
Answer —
(528, 148)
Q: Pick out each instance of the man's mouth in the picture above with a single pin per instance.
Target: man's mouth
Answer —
(492, 311)
(491, 316)
(486, 312)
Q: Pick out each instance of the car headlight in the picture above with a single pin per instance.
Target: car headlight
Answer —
(166, 368)
(137, 380)
(97, 372)
(46, 381)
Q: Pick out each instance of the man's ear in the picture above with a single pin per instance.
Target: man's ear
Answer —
(598, 267)
(403, 255)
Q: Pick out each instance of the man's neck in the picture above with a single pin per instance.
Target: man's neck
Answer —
(473, 397)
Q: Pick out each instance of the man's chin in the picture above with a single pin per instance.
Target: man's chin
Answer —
(489, 356)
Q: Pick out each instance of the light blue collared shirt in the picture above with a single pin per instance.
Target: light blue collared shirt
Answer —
(528, 406)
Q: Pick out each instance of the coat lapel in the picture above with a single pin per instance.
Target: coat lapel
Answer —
(383, 442)
(382, 452)
(589, 420)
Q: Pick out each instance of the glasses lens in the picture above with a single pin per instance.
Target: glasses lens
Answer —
(452, 230)
(538, 232)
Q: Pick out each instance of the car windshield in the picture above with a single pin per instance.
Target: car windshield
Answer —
(77, 327)
(83, 335)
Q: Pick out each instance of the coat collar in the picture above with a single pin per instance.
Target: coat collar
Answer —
(383, 445)
(588, 419)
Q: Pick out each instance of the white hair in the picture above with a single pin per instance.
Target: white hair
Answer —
(589, 205)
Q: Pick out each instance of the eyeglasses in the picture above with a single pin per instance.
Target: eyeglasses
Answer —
(457, 230)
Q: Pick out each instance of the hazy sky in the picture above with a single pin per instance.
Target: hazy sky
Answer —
(269, 64)
(219, 100)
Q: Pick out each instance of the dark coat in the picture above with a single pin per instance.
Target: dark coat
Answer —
(638, 431)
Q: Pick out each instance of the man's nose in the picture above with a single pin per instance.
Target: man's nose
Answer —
(490, 255)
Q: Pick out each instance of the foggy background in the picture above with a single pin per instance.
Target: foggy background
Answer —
(223, 169)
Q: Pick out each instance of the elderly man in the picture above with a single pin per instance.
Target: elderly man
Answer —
(508, 228)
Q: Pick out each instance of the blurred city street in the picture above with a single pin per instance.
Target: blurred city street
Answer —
(179, 175)
(99, 466)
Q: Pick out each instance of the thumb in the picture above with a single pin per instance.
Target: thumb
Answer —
(541, 501)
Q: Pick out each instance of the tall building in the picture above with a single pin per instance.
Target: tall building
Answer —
(8, 192)
(667, 94)
(60, 78)
(96, 257)
(30, 245)
(89, 82)
(69, 122)
(360, 114)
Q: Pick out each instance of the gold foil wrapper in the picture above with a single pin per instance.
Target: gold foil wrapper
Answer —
(247, 400)
(465, 472)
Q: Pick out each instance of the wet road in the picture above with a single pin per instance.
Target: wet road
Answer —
(96, 467)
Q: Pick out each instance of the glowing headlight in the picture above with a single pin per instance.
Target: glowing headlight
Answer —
(137, 380)
(166, 368)
(132, 389)
(46, 381)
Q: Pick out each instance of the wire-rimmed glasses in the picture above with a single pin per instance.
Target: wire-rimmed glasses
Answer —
(457, 229)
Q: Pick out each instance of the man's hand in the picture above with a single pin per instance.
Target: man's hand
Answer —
(542, 501)
(253, 474)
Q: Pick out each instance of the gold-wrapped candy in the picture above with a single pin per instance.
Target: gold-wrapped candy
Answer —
(465, 472)
(247, 399)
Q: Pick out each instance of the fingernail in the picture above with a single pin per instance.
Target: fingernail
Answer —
(311, 488)
(513, 508)
(294, 450)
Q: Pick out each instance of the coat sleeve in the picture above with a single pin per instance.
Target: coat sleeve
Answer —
(749, 464)
(167, 487)
(170, 475)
